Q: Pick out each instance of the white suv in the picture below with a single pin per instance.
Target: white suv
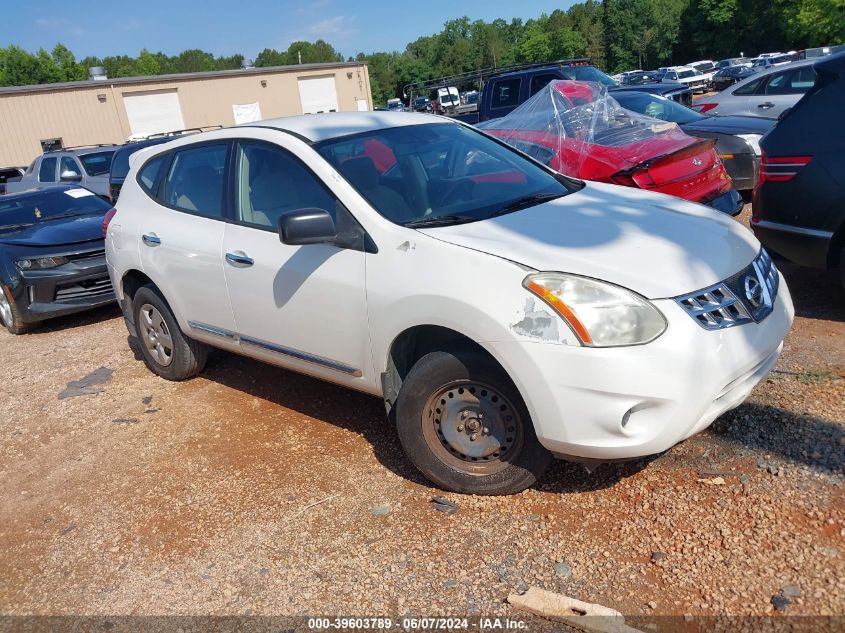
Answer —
(504, 313)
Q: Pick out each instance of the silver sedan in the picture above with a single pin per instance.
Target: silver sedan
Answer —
(765, 94)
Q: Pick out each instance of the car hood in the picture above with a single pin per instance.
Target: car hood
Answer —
(731, 124)
(60, 232)
(656, 245)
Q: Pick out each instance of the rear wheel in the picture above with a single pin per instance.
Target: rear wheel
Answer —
(166, 350)
(10, 316)
(464, 425)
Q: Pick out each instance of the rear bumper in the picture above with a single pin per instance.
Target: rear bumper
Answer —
(800, 245)
(729, 202)
(71, 288)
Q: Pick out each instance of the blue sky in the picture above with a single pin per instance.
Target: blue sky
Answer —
(241, 26)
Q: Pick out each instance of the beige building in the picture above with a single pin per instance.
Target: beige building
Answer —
(107, 111)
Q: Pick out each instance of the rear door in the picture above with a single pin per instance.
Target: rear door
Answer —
(781, 90)
(180, 237)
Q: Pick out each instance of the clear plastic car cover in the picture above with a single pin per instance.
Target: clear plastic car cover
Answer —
(580, 130)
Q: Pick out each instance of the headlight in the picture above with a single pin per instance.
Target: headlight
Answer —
(41, 263)
(600, 314)
(753, 140)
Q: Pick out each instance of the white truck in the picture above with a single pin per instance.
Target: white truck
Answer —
(447, 100)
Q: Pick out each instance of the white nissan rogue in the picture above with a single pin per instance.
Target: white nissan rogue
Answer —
(505, 313)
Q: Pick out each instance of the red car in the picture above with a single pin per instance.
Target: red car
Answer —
(575, 128)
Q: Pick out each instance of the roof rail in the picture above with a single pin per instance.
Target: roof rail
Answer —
(484, 73)
(206, 128)
(75, 147)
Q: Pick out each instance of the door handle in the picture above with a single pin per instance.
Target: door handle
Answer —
(151, 239)
(766, 104)
(239, 258)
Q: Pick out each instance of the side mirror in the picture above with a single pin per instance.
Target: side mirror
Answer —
(70, 176)
(307, 226)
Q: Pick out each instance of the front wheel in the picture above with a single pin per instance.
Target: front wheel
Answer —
(10, 316)
(464, 425)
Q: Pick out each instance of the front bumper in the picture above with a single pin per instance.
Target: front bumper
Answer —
(729, 202)
(76, 286)
(629, 402)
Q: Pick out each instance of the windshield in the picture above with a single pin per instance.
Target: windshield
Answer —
(438, 173)
(46, 205)
(684, 74)
(656, 107)
(97, 164)
(587, 73)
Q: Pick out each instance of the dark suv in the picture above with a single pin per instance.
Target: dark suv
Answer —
(799, 203)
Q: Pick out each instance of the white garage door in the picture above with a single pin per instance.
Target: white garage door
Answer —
(318, 94)
(152, 112)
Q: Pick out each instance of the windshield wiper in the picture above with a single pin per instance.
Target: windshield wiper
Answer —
(61, 216)
(14, 227)
(527, 201)
(440, 220)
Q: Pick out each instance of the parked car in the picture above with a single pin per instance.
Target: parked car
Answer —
(326, 266)
(733, 61)
(579, 129)
(120, 164)
(731, 75)
(686, 75)
(87, 167)
(763, 63)
(766, 93)
(799, 204)
(422, 104)
(503, 93)
(9, 174)
(820, 51)
(706, 67)
(737, 137)
(641, 77)
(52, 260)
(395, 105)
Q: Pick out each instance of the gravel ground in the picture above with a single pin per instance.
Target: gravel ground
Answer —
(252, 490)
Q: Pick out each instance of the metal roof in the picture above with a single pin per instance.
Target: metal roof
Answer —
(213, 74)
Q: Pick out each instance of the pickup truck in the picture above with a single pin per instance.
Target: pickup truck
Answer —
(504, 93)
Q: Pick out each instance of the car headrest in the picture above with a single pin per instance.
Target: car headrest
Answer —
(361, 172)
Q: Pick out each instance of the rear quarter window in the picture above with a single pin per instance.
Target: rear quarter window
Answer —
(749, 89)
(149, 173)
(506, 93)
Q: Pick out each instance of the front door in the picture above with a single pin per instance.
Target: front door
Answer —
(298, 306)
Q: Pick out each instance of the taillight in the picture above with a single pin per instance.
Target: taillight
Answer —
(704, 107)
(781, 168)
(106, 219)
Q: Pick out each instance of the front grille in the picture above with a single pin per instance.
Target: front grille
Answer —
(746, 296)
(86, 289)
(77, 257)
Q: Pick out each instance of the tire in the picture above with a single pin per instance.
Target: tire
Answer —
(437, 415)
(166, 350)
(10, 316)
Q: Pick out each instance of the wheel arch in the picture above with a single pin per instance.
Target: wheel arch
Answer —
(416, 341)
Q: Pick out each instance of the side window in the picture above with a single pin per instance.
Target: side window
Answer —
(506, 93)
(778, 84)
(68, 164)
(802, 80)
(195, 182)
(271, 182)
(47, 171)
(148, 175)
(540, 81)
(750, 88)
